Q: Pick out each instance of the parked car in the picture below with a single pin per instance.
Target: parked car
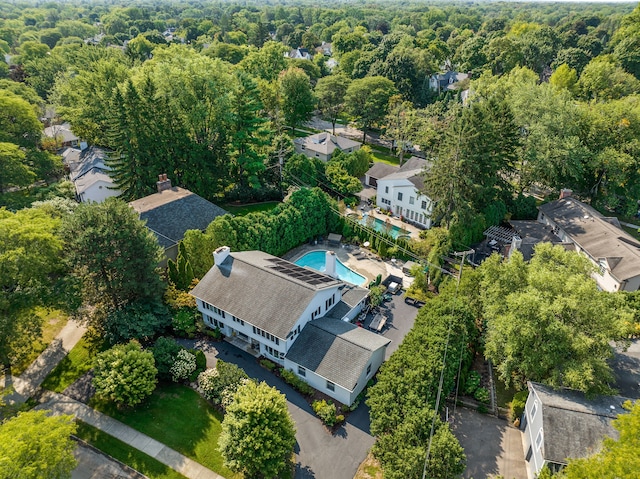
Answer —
(394, 287)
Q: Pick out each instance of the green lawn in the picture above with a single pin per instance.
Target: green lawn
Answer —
(178, 417)
(52, 322)
(241, 210)
(383, 155)
(75, 364)
(132, 457)
(504, 395)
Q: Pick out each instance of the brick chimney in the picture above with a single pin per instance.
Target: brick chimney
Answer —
(564, 193)
(163, 183)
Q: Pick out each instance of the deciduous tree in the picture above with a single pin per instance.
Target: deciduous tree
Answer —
(34, 445)
(297, 97)
(367, 100)
(258, 433)
(331, 91)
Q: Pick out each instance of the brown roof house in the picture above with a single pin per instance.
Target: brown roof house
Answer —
(172, 211)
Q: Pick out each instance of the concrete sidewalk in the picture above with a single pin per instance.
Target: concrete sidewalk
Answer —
(28, 382)
(59, 404)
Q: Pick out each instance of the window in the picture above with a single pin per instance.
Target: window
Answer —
(264, 334)
(369, 369)
(331, 386)
(385, 201)
(237, 320)
(399, 196)
(302, 371)
(272, 352)
(424, 205)
(302, 147)
(317, 155)
(539, 439)
(411, 200)
(215, 322)
(534, 409)
(386, 189)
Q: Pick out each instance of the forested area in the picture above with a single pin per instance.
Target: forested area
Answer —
(206, 94)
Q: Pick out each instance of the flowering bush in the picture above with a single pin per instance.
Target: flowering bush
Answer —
(184, 365)
(326, 411)
(222, 381)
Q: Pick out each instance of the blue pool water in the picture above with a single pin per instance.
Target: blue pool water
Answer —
(382, 227)
(316, 260)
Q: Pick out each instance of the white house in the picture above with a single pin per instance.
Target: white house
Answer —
(323, 145)
(299, 53)
(270, 304)
(90, 174)
(612, 250)
(561, 424)
(401, 192)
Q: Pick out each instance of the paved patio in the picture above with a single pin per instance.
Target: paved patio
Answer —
(493, 447)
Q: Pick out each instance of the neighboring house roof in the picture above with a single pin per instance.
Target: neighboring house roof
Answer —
(599, 236)
(89, 178)
(82, 161)
(351, 296)
(572, 425)
(266, 291)
(413, 170)
(170, 213)
(449, 79)
(326, 143)
(380, 170)
(63, 130)
(531, 233)
(300, 53)
(336, 350)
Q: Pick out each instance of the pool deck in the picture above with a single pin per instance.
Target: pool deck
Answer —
(367, 263)
(393, 220)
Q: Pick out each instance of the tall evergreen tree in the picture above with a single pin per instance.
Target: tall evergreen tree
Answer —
(249, 135)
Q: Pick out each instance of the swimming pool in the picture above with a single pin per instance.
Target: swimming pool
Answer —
(316, 260)
(383, 227)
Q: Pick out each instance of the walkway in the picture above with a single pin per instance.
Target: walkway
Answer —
(28, 382)
(59, 404)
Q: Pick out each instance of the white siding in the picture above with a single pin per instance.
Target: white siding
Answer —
(533, 427)
(98, 192)
(413, 212)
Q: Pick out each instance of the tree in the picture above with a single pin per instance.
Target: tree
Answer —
(565, 77)
(340, 179)
(180, 271)
(13, 170)
(114, 255)
(267, 62)
(367, 100)
(546, 320)
(602, 80)
(298, 101)
(125, 374)
(136, 320)
(18, 121)
(34, 445)
(30, 268)
(258, 433)
(403, 125)
(165, 350)
(331, 91)
(249, 135)
(618, 459)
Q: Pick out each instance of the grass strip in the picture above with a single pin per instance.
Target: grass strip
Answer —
(130, 456)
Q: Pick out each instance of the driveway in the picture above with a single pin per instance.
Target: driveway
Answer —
(400, 319)
(93, 464)
(319, 454)
(493, 447)
(626, 368)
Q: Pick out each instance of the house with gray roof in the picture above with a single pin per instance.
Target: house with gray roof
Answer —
(563, 424)
(172, 211)
(614, 252)
(323, 145)
(269, 304)
(90, 174)
(336, 357)
(400, 191)
(63, 136)
(447, 81)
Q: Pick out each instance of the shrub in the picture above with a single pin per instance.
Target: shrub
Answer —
(298, 384)
(165, 351)
(222, 380)
(270, 365)
(517, 404)
(472, 383)
(482, 395)
(184, 365)
(326, 411)
(184, 323)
